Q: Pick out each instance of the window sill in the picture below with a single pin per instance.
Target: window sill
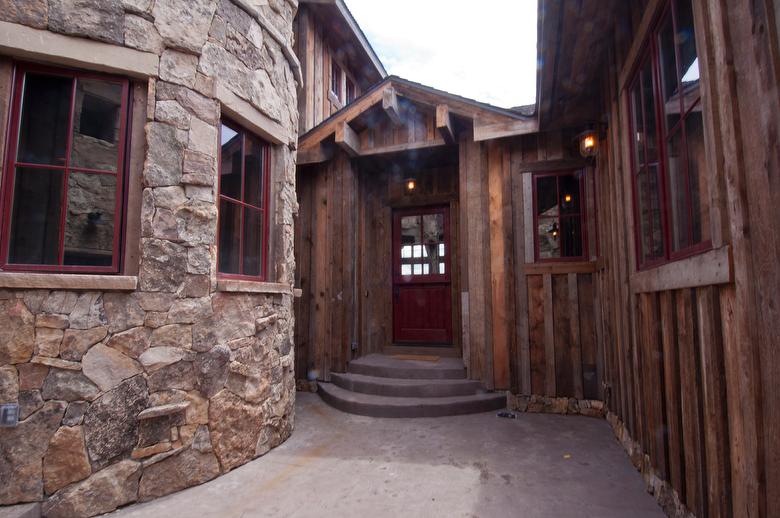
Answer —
(237, 286)
(710, 268)
(62, 281)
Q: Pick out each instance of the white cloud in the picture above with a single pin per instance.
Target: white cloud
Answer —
(484, 49)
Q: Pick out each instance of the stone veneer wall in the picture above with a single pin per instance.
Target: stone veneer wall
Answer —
(127, 396)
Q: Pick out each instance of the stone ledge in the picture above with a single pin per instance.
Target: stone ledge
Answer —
(64, 281)
(230, 285)
(28, 43)
(163, 410)
(246, 114)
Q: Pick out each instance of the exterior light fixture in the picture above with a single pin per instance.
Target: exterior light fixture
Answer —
(589, 143)
(410, 184)
(553, 230)
(567, 198)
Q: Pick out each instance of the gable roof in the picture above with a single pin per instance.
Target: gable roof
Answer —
(489, 121)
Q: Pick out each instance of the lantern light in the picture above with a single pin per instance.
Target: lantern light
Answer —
(589, 144)
(411, 185)
(567, 198)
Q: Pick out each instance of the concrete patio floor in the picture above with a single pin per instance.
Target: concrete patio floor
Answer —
(343, 465)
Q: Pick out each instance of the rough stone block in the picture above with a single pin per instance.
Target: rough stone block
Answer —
(66, 459)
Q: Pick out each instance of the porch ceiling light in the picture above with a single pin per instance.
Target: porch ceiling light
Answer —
(410, 184)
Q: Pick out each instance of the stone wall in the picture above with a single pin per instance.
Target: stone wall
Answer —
(127, 396)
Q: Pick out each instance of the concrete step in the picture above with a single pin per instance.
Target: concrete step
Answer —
(393, 387)
(381, 366)
(383, 406)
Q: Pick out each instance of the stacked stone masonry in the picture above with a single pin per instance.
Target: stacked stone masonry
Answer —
(128, 396)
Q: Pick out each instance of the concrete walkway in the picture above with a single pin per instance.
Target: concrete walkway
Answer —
(341, 465)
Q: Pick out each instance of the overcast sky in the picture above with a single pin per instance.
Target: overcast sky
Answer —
(484, 49)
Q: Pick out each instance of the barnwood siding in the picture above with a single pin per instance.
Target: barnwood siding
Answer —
(316, 53)
(692, 364)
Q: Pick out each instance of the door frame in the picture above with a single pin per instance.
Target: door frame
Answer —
(434, 279)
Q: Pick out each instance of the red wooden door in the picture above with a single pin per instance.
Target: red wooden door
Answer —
(422, 293)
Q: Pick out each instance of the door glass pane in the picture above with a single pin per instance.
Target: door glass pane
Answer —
(549, 236)
(35, 219)
(411, 245)
(668, 69)
(229, 236)
(547, 196)
(90, 219)
(697, 175)
(253, 173)
(678, 192)
(96, 124)
(253, 242)
(571, 237)
(230, 169)
(433, 237)
(43, 129)
(649, 204)
(689, 61)
(570, 194)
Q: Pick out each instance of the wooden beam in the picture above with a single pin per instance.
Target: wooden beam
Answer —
(708, 269)
(399, 148)
(390, 105)
(444, 123)
(347, 139)
(484, 132)
(315, 155)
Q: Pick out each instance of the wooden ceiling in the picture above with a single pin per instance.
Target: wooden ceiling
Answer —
(574, 37)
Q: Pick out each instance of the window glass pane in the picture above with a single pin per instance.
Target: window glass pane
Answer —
(253, 172)
(230, 170)
(689, 61)
(229, 236)
(43, 129)
(547, 196)
(35, 220)
(649, 205)
(638, 126)
(406, 269)
(571, 237)
(570, 194)
(668, 68)
(549, 236)
(441, 269)
(253, 242)
(697, 175)
(678, 192)
(90, 219)
(96, 124)
(648, 107)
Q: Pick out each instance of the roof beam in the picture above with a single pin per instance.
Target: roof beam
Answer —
(347, 139)
(390, 105)
(484, 132)
(314, 155)
(444, 123)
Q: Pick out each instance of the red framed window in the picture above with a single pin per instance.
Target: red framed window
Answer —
(244, 186)
(65, 162)
(669, 170)
(335, 80)
(559, 216)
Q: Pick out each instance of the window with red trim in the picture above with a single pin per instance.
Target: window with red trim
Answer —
(244, 184)
(65, 163)
(559, 216)
(669, 170)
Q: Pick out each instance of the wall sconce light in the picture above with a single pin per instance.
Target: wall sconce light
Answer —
(567, 198)
(553, 230)
(410, 184)
(589, 143)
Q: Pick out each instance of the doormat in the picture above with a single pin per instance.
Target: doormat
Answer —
(418, 357)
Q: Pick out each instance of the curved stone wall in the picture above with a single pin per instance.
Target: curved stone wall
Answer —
(129, 395)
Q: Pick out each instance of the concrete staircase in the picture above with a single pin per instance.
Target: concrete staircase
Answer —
(384, 386)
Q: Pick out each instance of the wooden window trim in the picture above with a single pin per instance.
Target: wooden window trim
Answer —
(647, 50)
(264, 210)
(11, 163)
(336, 82)
(582, 216)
